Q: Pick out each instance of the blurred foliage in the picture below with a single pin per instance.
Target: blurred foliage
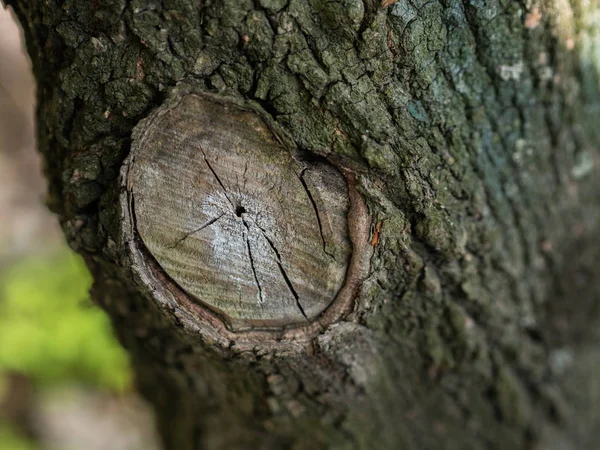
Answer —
(10, 440)
(49, 329)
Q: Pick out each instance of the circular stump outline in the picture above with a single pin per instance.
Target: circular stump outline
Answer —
(238, 224)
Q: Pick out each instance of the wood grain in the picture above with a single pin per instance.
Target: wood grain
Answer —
(233, 219)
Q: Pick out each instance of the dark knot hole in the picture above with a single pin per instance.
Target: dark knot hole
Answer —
(239, 210)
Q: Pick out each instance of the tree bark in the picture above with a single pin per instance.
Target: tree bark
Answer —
(471, 131)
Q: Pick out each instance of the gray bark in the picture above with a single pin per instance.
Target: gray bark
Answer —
(471, 128)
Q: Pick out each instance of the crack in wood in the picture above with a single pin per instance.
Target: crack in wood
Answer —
(290, 287)
(260, 293)
(284, 274)
(196, 230)
(315, 209)
(238, 211)
(216, 177)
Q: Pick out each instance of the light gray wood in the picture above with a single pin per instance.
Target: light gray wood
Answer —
(233, 219)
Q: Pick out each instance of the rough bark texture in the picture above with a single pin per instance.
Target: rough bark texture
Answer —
(472, 129)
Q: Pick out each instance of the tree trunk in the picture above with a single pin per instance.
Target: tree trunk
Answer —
(465, 135)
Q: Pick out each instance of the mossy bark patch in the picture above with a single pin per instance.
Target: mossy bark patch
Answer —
(233, 218)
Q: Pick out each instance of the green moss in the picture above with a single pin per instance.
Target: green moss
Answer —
(257, 36)
(129, 97)
(273, 5)
(436, 231)
(513, 400)
(435, 346)
(304, 64)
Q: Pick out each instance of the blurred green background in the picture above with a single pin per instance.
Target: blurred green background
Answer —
(65, 382)
(51, 336)
(50, 331)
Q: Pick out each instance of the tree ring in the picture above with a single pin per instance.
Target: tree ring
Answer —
(234, 221)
